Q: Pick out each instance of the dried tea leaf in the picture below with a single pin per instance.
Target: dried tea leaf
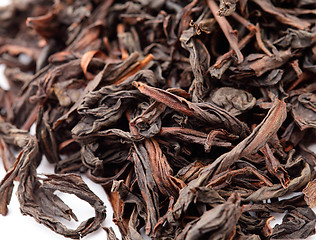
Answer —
(296, 39)
(298, 223)
(178, 109)
(304, 111)
(217, 223)
(234, 101)
(310, 193)
(227, 7)
(277, 190)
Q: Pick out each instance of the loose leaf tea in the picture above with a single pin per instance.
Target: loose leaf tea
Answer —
(194, 116)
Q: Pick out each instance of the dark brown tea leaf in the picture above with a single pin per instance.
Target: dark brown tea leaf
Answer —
(195, 117)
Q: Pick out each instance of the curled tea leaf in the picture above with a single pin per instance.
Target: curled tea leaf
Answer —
(234, 101)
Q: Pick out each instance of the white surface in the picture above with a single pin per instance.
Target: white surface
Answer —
(3, 81)
(5, 2)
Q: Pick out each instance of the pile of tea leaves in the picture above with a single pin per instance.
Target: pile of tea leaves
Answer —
(194, 116)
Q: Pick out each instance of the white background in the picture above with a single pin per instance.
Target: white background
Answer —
(17, 226)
